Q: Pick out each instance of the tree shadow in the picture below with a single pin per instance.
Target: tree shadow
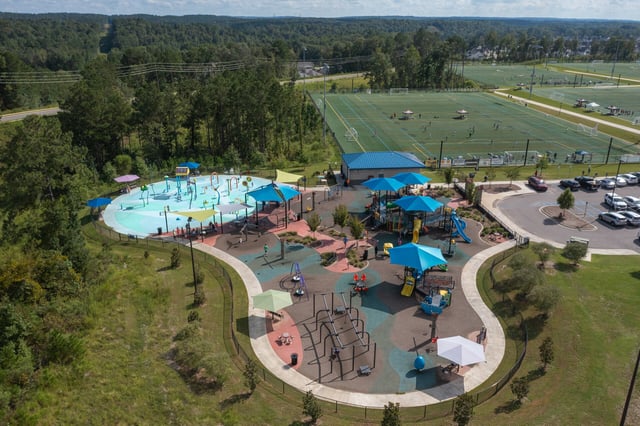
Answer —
(635, 275)
(536, 373)
(535, 325)
(508, 407)
(566, 267)
(234, 399)
(504, 308)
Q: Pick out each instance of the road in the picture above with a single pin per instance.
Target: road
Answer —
(17, 116)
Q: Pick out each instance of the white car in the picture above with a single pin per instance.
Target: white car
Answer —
(614, 201)
(633, 218)
(620, 181)
(630, 178)
(632, 202)
(613, 218)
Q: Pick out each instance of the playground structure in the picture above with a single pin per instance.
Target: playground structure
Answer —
(340, 339)
(436, 303)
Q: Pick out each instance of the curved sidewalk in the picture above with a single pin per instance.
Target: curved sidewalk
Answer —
(477, 375)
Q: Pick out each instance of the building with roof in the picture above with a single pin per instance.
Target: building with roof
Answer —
(360, 166)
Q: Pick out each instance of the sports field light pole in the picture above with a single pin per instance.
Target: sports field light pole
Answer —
(325, 69)
(615, 181)
(304, 69)
(193, 263)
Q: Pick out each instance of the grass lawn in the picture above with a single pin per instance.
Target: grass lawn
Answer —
(595, 333)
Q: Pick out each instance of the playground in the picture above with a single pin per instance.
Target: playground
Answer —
(352, 328)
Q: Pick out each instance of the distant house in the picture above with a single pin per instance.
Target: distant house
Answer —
(360, 166)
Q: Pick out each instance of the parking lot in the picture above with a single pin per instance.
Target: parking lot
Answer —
(524, 211)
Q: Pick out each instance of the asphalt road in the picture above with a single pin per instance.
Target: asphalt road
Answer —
(16, 116)
(524, 211)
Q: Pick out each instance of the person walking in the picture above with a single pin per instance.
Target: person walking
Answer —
(266, 250)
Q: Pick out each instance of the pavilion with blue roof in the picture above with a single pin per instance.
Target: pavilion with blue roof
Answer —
(360, 166)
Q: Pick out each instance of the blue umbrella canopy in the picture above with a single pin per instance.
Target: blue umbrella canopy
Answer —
(412, 178)
(418, 203)
(383, 184)
(190, 164)
(98, 202)
(273, 192)
(416, 256)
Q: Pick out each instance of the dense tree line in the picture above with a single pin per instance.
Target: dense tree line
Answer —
(68, 42)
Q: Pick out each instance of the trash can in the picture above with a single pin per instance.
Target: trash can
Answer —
(159, 230)
(294, 359)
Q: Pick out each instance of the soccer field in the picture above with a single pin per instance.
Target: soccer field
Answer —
(375, 122)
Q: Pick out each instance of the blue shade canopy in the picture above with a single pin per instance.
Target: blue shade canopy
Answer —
(273, 192)
(98, 202)
(384, 184)
(190, 164)
(416, 256)
(418, 203)
(412, 178)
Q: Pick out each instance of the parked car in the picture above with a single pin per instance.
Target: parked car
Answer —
(613, 218)
(632, 202)
(570, 183)
(620, 181)
(614, 201)
(587, 183)
(537, 183)
(632, 217)
(630, 178)
(607, 183)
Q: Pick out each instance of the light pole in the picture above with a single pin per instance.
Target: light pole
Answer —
(325, 69)
(304, 70)
(193, 263)
(166, 221)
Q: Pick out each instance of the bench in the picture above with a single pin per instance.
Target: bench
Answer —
(364, 370)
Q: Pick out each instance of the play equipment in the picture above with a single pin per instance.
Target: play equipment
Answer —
(436, 303)
(460, 225)
(386, 247)
(298, 279)
(417, 223)
(409, 283)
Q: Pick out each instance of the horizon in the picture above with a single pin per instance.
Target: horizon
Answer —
(590, 10)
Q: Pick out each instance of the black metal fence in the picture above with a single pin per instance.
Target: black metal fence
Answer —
(347, 411)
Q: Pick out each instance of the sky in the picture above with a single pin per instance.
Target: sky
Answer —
(576, 9)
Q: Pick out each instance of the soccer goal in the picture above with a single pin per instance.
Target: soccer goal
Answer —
(351, 135)
(591, 131)
(399, 91)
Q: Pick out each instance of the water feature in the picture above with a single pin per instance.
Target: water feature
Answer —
(147, 208)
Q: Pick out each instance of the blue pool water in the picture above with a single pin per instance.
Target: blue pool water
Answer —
(142, 211)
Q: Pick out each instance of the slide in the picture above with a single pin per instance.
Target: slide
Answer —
(416, 230)
(408, 287)
(460, 226)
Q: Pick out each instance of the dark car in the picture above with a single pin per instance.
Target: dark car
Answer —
(570, 183)
(537, 183)
(587, 182)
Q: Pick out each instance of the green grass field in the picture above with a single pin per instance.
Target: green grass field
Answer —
(492, 125)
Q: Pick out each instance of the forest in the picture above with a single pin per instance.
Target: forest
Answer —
(126, 107)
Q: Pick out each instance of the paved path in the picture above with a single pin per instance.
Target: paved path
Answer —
(575, 114)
